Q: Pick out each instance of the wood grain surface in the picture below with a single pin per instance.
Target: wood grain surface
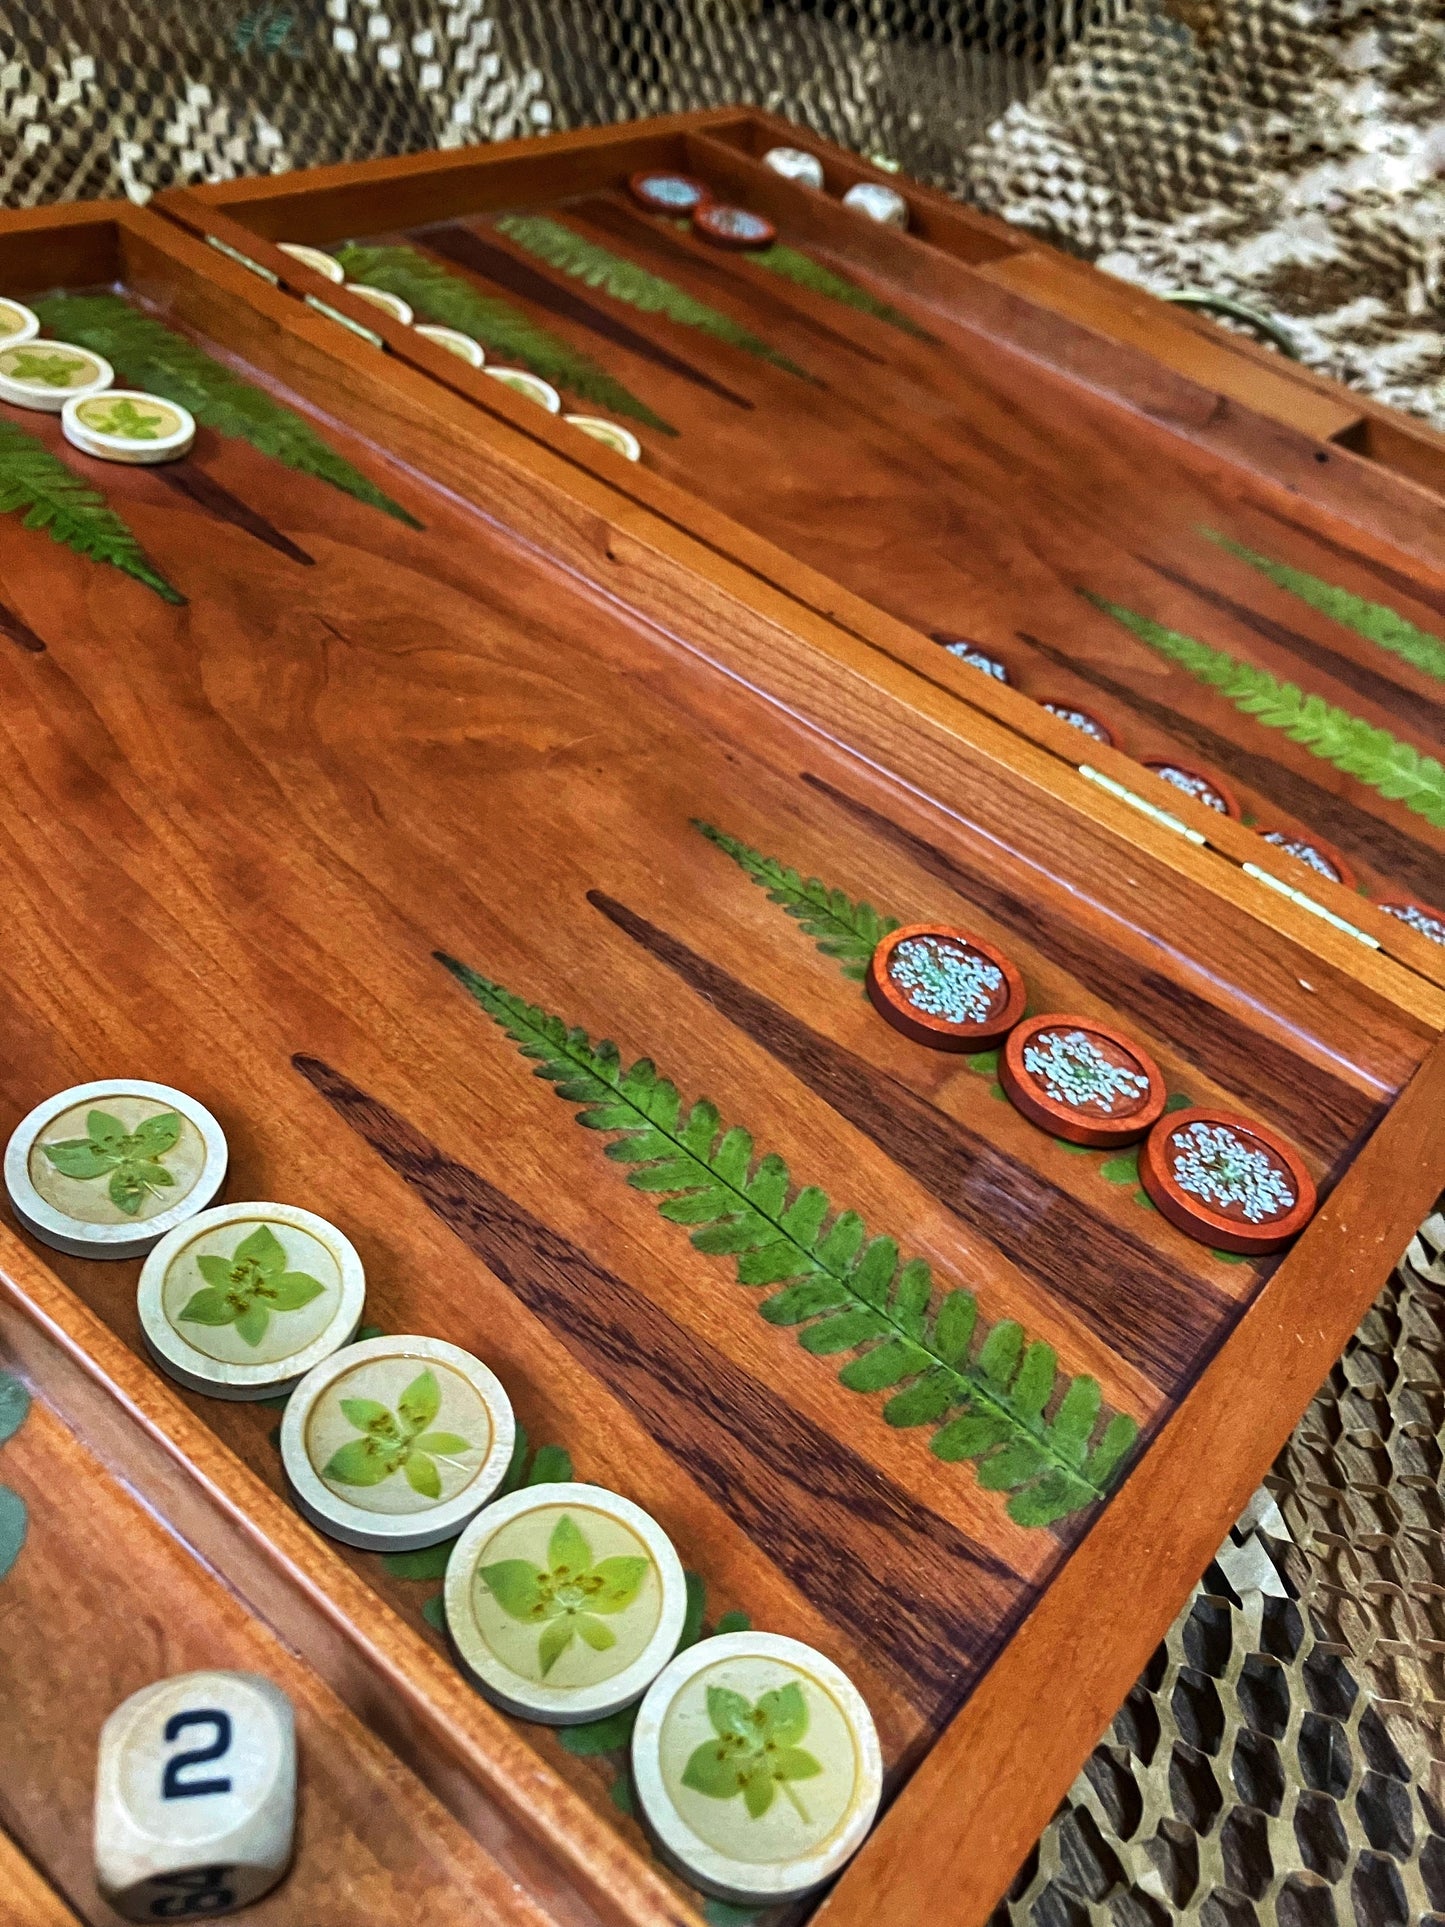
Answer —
(235, 833)
(993, 473)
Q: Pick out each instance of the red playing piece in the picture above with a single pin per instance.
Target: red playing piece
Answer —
(733, 227)
(1321, 857)
(1207, 789)
(945, 988)
(1082, 1080)
(1227, 1180)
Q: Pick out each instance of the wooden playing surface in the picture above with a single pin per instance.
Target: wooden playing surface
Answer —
(235, 833)
(978, 484)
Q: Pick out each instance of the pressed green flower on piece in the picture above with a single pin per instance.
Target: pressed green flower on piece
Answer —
(126, 420)
(244, 1289)
(756, 1750)
(397, 1441)
(567, 1598)
(44, 365)
(131, 1159)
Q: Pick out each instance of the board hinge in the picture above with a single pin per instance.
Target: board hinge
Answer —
(1140, 803)
(244, 260)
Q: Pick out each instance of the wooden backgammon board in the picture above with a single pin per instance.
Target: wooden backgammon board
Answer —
(368, 769)
(1153, 546)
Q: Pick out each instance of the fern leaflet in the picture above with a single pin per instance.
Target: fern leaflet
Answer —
(440, 295)
(1374, 621)
(153, 357)
(1397, 770)
(992, 1401)
(848, 931)
(587, 261)
(55, 499)
(801, 268)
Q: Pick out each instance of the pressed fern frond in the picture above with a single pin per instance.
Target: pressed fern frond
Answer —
(1397, 770)
(1374, 621)
(150, 356)
(587, 261)
(992, 1401)
(439, 295)
(55, 499)
(793, 265)
(849, 931)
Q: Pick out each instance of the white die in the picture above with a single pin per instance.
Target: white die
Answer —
(195, 1796)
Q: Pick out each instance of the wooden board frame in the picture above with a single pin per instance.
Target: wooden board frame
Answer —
(1282, 433)
(974, 1807)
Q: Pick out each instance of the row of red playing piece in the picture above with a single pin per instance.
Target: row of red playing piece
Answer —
(685, 196)
(1223, 1179)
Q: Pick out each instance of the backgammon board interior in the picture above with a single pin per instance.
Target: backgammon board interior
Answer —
(365, 719)
(961, 458)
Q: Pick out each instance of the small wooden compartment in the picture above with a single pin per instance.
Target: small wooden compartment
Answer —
(447, 690)
(956, 436)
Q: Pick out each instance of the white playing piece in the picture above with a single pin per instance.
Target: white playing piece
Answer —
(314, 258)
(564, 1601)
(128, 425)
(521, 382)
(243, 1301)
(382, 298)
(757, 1767)
(454, 341)
(48, 374)
(611, 434)
(795, 164)
(17, 322)
(195, 1796)
(106, 1170)
(394, 1444)
(878, 202)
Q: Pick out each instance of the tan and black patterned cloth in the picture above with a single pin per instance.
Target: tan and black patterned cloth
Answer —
(1282, 1761)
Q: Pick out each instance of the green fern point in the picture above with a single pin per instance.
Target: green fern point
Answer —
(801, 268)
(1374, 621)
(1381, 761)
(56, 499)
(154, 357)
(598, 267)
(990, 1397)
(846, 931)
(501, 328)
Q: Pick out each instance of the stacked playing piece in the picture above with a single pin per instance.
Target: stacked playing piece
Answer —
(684, 197)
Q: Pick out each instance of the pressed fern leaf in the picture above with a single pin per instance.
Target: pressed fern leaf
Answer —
(1374, 621)
(587, 261)
(152, 357)
(1000, 1402)
(1397, 770)
(55, 499)
(793, 265)
(440, 295)
(849, 931)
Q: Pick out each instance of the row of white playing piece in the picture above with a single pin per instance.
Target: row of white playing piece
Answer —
(564, 1602)
(521, 380)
